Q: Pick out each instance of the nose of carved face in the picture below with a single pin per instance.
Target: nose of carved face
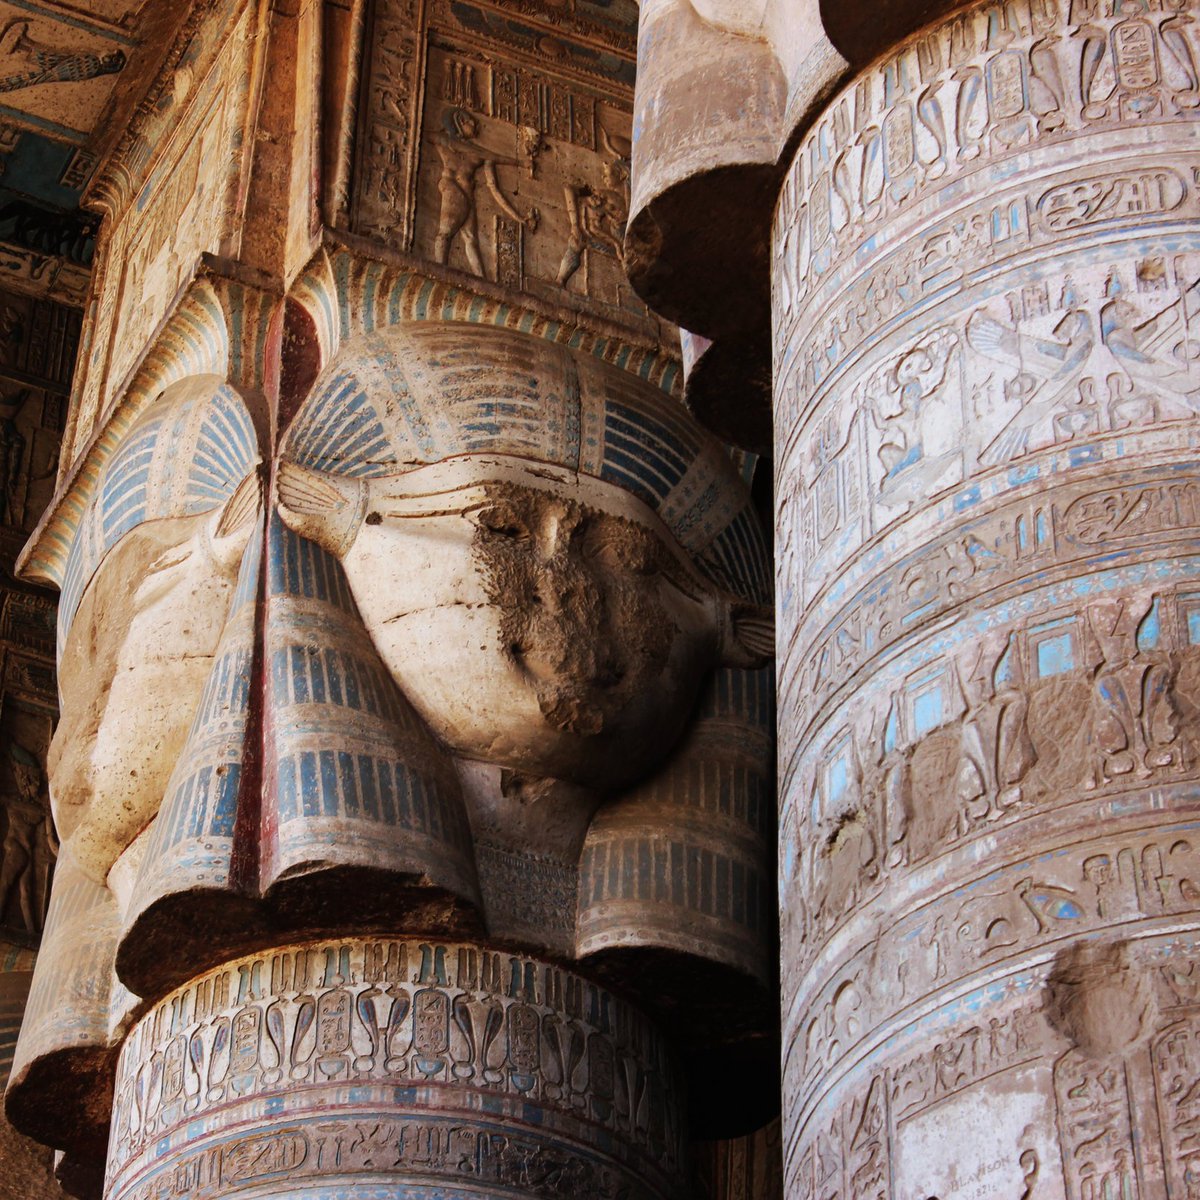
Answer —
(582, 615)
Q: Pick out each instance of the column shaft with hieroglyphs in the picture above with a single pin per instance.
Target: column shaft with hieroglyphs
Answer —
(987, 319)
(976, 245)
(414, 774)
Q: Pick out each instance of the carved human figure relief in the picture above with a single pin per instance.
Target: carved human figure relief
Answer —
(464, 165)
(1106, 364)
(997, 751)
(597, 214)
(1136, 721)
(29, 846)
(917, 420)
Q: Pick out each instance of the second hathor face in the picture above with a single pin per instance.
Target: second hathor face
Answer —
(536, 618)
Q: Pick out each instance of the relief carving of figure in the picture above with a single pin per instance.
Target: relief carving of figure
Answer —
(997, 751)
(50, 65)
(598, 214)
(1144, 365)
(27, 853)
(887, 783)
(12, 453)
(463, 162)
(1046, 385)
(1159, 353)
(920, 430)
(1135, 723)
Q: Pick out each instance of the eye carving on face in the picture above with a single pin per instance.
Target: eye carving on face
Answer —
(502, 521)
(557, 526)
(620, 545)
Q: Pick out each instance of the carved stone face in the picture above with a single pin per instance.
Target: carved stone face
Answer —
(131, 672)
(536, 618)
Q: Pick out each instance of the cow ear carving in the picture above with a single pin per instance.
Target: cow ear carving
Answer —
(747, 635)
(324, 508)
(233, 524)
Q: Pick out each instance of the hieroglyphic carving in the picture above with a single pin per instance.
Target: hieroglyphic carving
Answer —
(1095, 1089)
(40, 275)
(530, 1037)
(984, 340)
(1094, 1107)
(998, 80)
(1136, 721)
(388, 149)
(451, 1150)
(847, 1156)
(1176, 1058)
(959, 749)
(38, 343)
(524, 151)
(1090, 372)
(999, 1043)
(994, 552)
(1088, 888)
(531, 99)
(186, 209)
(602, 25)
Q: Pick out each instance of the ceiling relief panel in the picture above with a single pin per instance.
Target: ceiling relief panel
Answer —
(70, 78)
(519, 172)
(57, 67)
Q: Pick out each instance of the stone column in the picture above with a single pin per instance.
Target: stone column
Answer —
(479, 690)
(415, 763)
(987, 326)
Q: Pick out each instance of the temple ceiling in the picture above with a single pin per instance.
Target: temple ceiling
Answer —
(71, 76)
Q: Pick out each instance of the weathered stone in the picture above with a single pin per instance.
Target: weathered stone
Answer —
(442, 1068)
(38, 338)
(403, 600)
(985, 272)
